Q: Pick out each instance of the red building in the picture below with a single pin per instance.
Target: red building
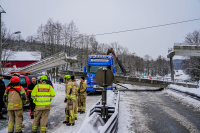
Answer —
(13, 60)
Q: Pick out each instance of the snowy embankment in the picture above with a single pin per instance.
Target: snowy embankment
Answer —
(195, 91)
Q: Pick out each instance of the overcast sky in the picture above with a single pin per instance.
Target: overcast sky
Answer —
(102, 16)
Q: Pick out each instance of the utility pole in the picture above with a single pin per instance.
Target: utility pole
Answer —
(1, 11)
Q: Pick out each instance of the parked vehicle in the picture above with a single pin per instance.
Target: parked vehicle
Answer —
(25, 79)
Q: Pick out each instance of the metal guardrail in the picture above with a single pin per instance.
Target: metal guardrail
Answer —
(159, 78)
(111, 126)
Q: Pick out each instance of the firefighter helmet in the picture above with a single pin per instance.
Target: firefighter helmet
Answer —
(67, 77)
(15, 79)
(44, 77)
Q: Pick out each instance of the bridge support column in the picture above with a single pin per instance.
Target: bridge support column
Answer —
(172, 68)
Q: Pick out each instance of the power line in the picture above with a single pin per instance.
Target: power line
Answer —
(115, 32)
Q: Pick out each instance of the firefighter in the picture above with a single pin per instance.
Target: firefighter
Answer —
(30, 89)
(70, 99)
(76, 105)
(14, 98)
(2, 90)
(82, 96)
(42, 95)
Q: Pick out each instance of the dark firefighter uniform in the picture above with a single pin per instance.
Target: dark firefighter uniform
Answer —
(82, 96)
(71, 101)
(42, 95)
(76, 105)
(14, 98)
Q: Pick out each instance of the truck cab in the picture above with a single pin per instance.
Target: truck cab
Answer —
(96, 62)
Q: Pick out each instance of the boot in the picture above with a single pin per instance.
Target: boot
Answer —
(75, 118)
(19, 132)
(34, 132)
(65, 122)
(70, 124)
(10, 132)
(1, 117)
(23, 126)
(32, 116)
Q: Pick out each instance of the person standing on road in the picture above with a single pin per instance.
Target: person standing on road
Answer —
(70, 99)
(82, 96)
(14, 98)
(29, 89)
(2, 90)
(76, 105)
(42, 96)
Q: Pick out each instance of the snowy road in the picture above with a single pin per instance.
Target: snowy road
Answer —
(158, 112)
(57, 114)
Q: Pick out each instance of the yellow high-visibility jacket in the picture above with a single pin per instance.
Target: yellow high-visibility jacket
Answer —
(42, 95)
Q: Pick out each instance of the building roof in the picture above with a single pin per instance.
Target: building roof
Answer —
(21, 55)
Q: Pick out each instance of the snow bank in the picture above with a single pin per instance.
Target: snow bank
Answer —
(185, 89)
(92, 124)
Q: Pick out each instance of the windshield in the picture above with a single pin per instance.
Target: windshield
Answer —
(94, 69)
(6, 80)
(23, 82)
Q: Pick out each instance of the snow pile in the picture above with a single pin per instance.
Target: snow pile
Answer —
(92, 124)
(185, 89)
(110, 98)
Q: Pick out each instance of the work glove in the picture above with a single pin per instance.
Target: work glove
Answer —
(65, 100)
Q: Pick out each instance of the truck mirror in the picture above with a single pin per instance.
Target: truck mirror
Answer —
(85, 69)
(114, 69)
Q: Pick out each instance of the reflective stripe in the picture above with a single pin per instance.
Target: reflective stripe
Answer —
(43, 95)
(32, 96)
(10, 126)
(17, 127)
(79, 107)
(72, 115)
(34, 127)
(75, 115)
(67, 115)
(43, 128)
(70, 120)
(83, 107)
(43, 101)
(77, 88)
(69, 86)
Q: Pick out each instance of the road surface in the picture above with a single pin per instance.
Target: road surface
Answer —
(156, 112)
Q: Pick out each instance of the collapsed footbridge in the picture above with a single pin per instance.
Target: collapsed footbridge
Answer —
(48, 63)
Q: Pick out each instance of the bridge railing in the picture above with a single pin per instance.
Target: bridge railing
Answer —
(186, 44)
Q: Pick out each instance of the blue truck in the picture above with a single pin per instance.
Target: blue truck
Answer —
(96, 62)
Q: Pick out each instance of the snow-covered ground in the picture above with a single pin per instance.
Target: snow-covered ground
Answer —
(180, 74)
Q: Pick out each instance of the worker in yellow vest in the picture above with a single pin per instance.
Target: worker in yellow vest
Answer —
(42, 96)
(70, 99)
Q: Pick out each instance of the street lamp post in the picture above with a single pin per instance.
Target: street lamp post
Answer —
(17, 32)
(1, 11)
